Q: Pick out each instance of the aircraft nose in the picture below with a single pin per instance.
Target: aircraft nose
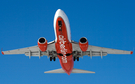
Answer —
(59, 11)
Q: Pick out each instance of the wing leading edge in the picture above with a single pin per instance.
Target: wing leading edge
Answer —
(33, 50)
(98, 51)
(91, 51)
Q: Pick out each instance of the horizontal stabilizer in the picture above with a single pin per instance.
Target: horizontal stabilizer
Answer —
(73, 71)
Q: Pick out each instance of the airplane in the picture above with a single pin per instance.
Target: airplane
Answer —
(63, 48)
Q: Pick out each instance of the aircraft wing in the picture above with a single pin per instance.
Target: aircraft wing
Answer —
(96, 51)
(34, 50)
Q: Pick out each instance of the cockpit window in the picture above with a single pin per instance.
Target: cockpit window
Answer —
(60, 23)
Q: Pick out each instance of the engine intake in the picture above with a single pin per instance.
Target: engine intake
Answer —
(83, 40)
(42, 40)
(42, 44)
(83, 43)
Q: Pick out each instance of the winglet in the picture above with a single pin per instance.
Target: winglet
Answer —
(131, 52)
(2, 52)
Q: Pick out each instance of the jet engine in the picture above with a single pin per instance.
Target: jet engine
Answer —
(42, 44)
(83, 43)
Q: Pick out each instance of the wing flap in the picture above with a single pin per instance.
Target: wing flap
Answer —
(108, 50)
(100, 49)
(32, 51)
(22, 50)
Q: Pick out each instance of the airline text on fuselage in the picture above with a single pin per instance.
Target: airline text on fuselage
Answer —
(62, 48)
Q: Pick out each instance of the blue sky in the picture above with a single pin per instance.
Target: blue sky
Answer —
(105, 23)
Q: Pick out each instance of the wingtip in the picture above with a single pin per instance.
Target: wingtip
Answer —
(131, 52)
(2, 53)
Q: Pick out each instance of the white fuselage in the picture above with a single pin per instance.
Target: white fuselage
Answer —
(60, 13)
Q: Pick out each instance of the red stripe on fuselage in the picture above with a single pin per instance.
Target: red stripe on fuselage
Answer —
(64, 47)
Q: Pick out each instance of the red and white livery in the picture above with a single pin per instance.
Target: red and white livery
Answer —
(63, 48)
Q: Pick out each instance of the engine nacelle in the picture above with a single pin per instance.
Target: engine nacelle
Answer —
(83, 43)
(42, 44)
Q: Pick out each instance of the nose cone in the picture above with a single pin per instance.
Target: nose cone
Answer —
(59, 10)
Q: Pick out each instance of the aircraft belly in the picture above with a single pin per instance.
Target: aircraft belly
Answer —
(63, 45)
